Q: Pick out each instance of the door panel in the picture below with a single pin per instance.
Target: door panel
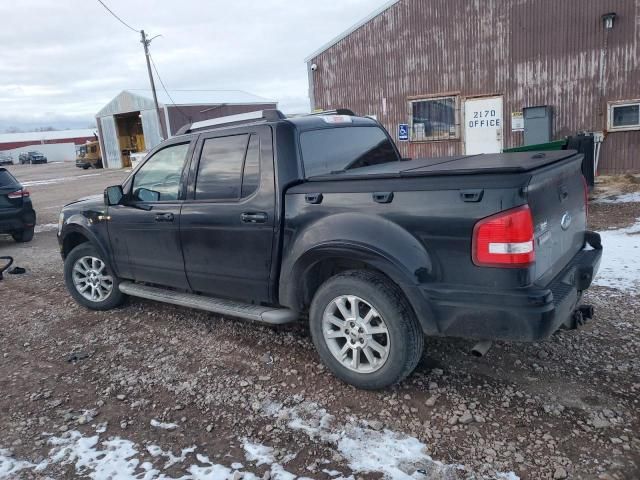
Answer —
(146, 244)
(144, 230)
(483, 125)
(228, 243)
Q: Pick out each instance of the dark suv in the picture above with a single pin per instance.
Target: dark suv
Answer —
(32, 158)
(17, 216)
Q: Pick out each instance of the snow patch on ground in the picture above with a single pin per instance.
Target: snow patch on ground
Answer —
(620, 264)
(258, 453)
(10, 467)
(46, 227)
(52, 181)
(620, 198)
(396, 455)
(164, 426)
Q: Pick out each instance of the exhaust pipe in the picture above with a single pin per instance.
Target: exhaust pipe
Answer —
(481, 348)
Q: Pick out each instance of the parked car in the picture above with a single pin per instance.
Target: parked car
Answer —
(6, 159)
(274, 219)
(32, 157)
(17, 216)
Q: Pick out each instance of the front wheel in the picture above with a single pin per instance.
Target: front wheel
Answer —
(24, 236)
(364, 330)
(89, 280)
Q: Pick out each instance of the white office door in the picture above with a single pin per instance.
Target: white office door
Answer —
(483, 125)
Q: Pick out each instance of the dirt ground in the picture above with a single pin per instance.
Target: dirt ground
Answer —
(565, 408)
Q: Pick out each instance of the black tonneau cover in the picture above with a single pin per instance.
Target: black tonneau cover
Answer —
(459, 165)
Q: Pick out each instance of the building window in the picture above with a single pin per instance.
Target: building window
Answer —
(624, 116)
(435, 119)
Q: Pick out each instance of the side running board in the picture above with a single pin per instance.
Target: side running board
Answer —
(270, 315)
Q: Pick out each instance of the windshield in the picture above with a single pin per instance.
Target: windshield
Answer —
(331, 150)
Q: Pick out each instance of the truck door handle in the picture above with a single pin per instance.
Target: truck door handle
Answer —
(471, 196)
(164, 217)
(254, 217)
(313, 198)
(383, 197)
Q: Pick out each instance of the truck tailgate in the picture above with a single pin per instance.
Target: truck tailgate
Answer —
(556, 197)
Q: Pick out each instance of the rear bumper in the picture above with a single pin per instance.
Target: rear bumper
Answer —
(17, 220)
(526, 315)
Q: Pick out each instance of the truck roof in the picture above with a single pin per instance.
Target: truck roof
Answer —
(313, 121)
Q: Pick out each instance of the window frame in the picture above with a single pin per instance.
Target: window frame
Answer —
(244, 165)
(197, 153)
(428, 98)
(129, 181)
(622, 103)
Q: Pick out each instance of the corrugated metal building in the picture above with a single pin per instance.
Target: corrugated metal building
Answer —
(458, 73)
(129, 123)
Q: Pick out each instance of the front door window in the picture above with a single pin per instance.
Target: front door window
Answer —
(159, 178)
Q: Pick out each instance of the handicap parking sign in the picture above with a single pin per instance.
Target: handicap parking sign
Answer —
(403, 132)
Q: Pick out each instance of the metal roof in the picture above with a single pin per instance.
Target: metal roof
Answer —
(140, 100)
(203, 97)
(352, 29)
(46, 136)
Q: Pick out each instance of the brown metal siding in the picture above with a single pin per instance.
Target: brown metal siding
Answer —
(181, 115)
(533, 52)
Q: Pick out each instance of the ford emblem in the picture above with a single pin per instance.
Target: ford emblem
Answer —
(566, 221)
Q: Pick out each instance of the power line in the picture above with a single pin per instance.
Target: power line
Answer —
(117, 17)
(165, 88)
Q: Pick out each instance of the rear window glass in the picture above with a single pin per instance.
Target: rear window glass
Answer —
(345, 148)
(7, 179)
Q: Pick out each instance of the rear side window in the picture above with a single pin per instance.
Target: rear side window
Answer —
(6, 179)
(345, 148)
(229, 168)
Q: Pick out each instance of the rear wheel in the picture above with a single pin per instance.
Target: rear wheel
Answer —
(364, 330)
(23, 236)
(89, 280)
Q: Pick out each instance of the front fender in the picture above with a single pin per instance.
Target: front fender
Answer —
(93, 228)
(373, 240)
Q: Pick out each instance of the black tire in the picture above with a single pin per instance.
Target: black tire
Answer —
(406, 339)
(114, 299)
(23, 236)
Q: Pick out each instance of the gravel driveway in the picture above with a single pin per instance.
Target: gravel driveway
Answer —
(151, 390)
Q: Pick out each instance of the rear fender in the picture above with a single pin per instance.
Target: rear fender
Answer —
(373, 240)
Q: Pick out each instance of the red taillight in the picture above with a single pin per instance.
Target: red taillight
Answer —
(505, 239)
(18, 194)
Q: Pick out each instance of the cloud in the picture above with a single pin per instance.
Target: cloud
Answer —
(63, 61)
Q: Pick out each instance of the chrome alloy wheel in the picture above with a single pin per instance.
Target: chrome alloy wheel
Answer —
(91, 280)
(356, 334)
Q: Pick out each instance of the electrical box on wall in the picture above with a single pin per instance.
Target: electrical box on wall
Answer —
(538, 123)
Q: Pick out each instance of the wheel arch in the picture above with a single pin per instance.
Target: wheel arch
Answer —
(324, 261)
(74, 234)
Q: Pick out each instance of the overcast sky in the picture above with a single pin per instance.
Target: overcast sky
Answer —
(61, 61)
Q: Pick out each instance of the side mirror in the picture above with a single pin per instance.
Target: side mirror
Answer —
(113, 195)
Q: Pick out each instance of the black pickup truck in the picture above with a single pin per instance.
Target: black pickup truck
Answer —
(318, 217)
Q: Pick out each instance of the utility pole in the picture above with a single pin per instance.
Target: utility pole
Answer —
(146, 42)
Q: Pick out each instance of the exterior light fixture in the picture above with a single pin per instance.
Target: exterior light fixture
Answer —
(608, 19)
